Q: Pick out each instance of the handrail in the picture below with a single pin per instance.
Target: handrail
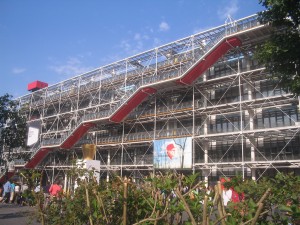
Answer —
(162, 70)
(236, 26)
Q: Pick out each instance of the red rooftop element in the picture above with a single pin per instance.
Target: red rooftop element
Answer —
(36, 85)
(209, 60)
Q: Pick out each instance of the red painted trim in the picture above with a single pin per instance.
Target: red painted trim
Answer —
(42, 153)
(210, 59)
(140, 96)
(9, 175)
(149, 90)
(133, 102)
(76, 135)
(37, 158)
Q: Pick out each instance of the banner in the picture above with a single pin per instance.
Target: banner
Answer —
(173, 153)
(33, 132)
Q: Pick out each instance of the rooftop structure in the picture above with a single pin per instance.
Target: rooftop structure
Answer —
(36, 85)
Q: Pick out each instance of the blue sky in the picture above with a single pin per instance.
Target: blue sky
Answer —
(52, 41)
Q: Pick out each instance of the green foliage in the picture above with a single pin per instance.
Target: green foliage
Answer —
(12, 124)
(283, 199)
(32, 177)
(280, 54)
(164, 199)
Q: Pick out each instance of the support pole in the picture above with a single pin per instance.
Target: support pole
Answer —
(193, 148)
(154, 131)
(241, 120)
(125, 195)
(122, 153)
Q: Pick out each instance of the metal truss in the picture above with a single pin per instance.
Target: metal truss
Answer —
(233, 112)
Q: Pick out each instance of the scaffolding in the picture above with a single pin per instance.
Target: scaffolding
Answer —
(207, 86)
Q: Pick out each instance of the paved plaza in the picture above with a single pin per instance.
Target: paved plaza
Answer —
(17, 215)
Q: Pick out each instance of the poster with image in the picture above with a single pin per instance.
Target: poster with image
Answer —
(173, 153)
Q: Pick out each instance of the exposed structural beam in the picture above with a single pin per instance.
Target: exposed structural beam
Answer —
(209, 60)
(120, 114)
(108, 95)
(133, 102)
(6, 176)
(37, 158)
(170, 53)
(76, 135)
(136, 64)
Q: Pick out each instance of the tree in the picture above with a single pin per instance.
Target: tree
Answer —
(281, 53)
(12, 125)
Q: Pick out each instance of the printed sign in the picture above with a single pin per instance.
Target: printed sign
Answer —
(173, 153)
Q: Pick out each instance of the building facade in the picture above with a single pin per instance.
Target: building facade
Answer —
(199, 104)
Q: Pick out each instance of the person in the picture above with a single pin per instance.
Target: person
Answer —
(77, 184)
(46, 194)
(227, 195)
(1, 192)
(21, 199)
(210, 192)
(54, 189)
(46, 188)
(17, 191)
(12, 192)
(37, 188)
(24, 187)
(6, 192)
(236, 197)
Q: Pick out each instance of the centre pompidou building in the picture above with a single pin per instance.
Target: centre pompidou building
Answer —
(199, 104)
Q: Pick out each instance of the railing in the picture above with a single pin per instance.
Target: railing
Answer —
(145, 82)
(161, 111)
(182, 46)
(213, 128)
(158, 72)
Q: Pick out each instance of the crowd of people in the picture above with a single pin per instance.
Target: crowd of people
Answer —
(12, 192)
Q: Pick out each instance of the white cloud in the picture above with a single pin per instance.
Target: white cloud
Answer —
(137, 36)
(156, 42)
(138, 42)
(17, 70)
(230, 9)
(73, 66)
(135, 44)
(125, 45)
(164, 26)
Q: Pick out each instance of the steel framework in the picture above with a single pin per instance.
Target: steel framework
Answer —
(207, 86)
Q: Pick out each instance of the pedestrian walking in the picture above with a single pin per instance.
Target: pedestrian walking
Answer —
(12, 192)
(1, 192)
(6, 192)
(55, 189)
(17, 192)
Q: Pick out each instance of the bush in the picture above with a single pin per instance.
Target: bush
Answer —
(176, 199)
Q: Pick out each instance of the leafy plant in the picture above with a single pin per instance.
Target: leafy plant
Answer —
(173, 198)
(280, 53)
